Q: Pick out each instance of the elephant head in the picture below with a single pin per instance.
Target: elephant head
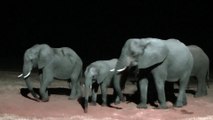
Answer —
(142, 53)
(36, 56)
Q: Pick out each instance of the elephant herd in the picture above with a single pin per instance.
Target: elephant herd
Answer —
(162, 60)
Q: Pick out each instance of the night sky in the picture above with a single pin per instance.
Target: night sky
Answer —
(97, 29)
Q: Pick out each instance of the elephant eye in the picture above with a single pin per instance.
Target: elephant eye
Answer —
(134, 54)
(32, 61)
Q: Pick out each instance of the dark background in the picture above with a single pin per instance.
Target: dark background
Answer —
(97, 29)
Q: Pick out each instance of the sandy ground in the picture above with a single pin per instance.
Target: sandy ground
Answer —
(14, 104)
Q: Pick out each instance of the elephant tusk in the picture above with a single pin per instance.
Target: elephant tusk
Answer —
(20, 75)
(112, 70)
(122, 69)
(28, 74)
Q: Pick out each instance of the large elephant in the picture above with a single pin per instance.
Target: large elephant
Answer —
(60, 63)
(164, 60)
(200, 69)
(98, 73)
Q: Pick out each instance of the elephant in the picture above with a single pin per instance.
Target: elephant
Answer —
(98, 73)
(163, 60)
(53, 63)
(200, 69)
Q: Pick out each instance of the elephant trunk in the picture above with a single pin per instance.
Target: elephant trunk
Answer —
(117, 85)
(87, 91)
(26, 73)
(122, 64)
(29, 86)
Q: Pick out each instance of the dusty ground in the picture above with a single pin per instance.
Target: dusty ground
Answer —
(15, 105)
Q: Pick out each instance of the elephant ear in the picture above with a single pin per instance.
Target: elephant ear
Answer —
(90, 70)
(102, 75)
(155, 52)
(45, 56)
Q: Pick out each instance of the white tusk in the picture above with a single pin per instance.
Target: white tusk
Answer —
(27, 75)
(20, 75)
(122, 69)
(112, 70)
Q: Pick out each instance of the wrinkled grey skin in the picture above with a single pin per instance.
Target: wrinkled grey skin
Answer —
(60, 63)
(100, 73)
(166, 60)
(200, 69)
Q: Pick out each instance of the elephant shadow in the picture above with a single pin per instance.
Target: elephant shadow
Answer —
(58, 91)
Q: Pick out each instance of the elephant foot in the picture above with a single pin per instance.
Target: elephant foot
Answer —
(93, 103)
(123, 99)
(45, 99)
(103, 104)
(164, 106)
(36, 97)
(142, 106)
(180, 104)
(72, 98)
(199, 94)
(117, 102)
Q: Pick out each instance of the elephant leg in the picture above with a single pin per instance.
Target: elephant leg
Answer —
(46, 78)
(159, 77)
(73, 85)
(143, 86)
(75, 88)
(72, 91)
(75, 79)
(104, 94)
(70, 84)
(160, 87)
(43, 89)
(170, 92)
(117, 98)
(117, 89)
(201, 86)
(181, 99)
(78, 89)
(94, 94)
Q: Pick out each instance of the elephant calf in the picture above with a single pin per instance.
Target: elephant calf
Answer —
(100, 73)
(200, 69)
(61, 63)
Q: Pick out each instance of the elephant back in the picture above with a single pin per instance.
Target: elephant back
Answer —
(69, 53)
